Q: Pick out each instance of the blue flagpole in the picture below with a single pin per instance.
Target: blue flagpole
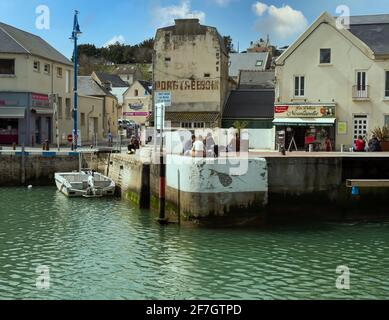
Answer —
(75, 34)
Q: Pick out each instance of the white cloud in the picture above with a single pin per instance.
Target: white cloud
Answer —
(222, 3)
(280, 22)
(165, 16)
(114, 40)
(260, 8)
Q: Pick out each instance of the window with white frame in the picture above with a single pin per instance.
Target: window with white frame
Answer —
(325, 56)
(37, 66)
(47, 68)
(198, 125)
(186, 125)
(299, 86)
(59, 72)
(387, 120)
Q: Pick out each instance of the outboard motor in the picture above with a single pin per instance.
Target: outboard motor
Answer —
(91, 184)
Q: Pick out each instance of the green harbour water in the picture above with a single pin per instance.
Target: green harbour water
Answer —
(107, 249)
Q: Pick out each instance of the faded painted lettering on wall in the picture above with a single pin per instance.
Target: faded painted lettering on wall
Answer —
(184, 85)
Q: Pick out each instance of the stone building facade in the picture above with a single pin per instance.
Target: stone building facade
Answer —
(191, 62)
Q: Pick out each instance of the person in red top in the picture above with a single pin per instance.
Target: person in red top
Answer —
(328, 144)
(360, 145)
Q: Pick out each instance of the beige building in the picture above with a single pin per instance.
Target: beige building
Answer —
(191, 62)
(90, 119)
(137, 102)
(30, 71)
(111, 110)
(335, 81)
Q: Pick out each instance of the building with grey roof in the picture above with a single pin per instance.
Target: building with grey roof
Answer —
(14, 40)
(33, 75)
(250, 61)
(257, 80)
(372, 30)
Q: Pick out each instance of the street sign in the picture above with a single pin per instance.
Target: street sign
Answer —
(160, 116)
(164, 97)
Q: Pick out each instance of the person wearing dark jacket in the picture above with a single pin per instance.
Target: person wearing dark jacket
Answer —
(374, 145)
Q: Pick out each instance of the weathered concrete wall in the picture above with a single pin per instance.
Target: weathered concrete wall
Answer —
(131, 175)
(37, 169)
(205, 189)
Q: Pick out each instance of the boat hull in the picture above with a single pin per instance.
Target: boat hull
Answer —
(75, 185)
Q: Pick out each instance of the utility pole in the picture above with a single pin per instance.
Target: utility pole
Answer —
(162, 165)
(76, 33)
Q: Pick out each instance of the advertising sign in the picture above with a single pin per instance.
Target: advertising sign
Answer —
(304, 111)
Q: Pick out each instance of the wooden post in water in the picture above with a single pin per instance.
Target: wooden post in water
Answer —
(179, 196)
(23, 169)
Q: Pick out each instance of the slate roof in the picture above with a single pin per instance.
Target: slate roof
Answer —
(373, 30)
(146, 85)
(250, 104)
(88, 87)
(115, 80)
(13, 40)
(247, 61)
(257, 80)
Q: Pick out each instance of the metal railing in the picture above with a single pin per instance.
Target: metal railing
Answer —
(361, 92)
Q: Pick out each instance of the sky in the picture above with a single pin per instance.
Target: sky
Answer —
(132, 21)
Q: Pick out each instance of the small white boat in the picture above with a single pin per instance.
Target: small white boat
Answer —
(85, 184)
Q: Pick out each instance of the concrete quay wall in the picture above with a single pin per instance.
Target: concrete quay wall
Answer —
(34, 169)
(315, 188)
(131, 175)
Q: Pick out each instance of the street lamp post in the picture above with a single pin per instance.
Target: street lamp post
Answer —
(75, 34)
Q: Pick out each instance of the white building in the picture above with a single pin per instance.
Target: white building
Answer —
(335, 81)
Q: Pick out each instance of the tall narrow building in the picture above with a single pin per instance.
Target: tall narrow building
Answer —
(191, 62)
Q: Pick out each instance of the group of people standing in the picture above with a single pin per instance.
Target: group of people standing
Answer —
(200, 147)
(373, 145)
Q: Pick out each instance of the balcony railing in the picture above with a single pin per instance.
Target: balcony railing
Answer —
(361, 92)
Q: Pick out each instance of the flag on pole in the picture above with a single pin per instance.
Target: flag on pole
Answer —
(76, 26)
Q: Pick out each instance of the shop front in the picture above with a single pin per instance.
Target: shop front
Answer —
(25, 118)
(306, 125)
(12, 117)
(41, 114)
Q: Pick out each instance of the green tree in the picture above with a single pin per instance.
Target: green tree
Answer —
(229, 44)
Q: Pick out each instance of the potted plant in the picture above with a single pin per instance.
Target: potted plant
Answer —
(382, 135)
(240, 144)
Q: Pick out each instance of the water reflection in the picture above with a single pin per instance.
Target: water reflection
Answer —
(106, 249)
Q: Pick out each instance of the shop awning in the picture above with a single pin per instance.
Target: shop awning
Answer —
(305, 121)
(12, 113)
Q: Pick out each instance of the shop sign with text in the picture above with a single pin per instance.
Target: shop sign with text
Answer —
(40, 100)
(304, 111)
